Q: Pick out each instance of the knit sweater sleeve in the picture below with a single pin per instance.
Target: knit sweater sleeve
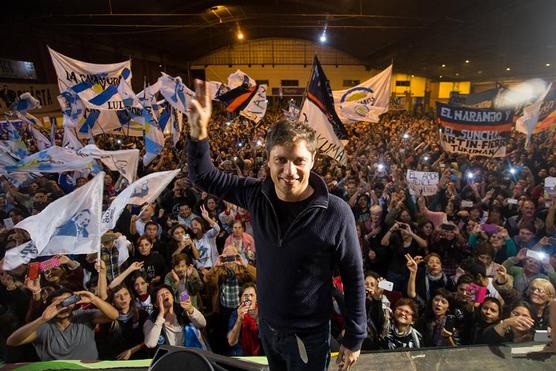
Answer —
(152, 331)
(197, 319)
(206, 176)
(348, 256)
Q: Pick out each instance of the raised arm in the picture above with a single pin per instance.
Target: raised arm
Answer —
(122, 276)
(202, 171)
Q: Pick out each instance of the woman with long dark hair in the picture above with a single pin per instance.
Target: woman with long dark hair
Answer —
(438, 324)
(172, 323)
(123, 338)
(489, 314)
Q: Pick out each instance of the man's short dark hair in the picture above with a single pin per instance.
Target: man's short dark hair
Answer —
(286, 133)
(476, 268)
(465, 279)
(151, 223)
(378, 186)
(527, 225)
(58, 292)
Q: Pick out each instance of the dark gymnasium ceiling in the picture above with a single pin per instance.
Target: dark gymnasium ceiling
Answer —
(419, 35)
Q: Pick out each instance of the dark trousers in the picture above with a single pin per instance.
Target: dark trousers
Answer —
(283, 351)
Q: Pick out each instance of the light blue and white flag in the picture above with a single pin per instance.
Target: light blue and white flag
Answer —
(366, 101)
(70, 224)
(15, 144)
(25, 102)
(53, 160)
(70, 140)
(148, 97)
(113, 98)
(98, 82)
(154, 138)
(144, 190)
(175, 92)
(40, 139)
(101, 81)
(16, 179)
(29, 119)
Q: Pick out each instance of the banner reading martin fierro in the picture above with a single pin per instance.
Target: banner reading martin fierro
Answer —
(472, 131)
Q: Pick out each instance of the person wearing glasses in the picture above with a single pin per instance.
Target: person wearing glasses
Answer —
(401, 333)
(539, 294)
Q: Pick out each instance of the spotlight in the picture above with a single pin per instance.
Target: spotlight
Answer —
(443, 65)
(547, 65)
(508, 69)
(323, 37)
(470, 175)
(513, 170)
(240, 35)
(467, 61)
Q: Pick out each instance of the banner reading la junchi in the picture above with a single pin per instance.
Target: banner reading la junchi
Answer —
(473, 131)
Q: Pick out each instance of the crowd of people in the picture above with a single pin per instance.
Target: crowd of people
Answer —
(473, 264)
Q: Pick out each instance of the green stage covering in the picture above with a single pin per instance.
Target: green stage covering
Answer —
(84, 365)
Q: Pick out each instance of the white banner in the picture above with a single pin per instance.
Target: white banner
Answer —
(124, 161)
(71, 72)
(327, 141)
(422, 183)
(175, 92)
(42, 141)
(70, 224)
(256, 108)
(144, 190)
(19, 255)
(528, 121)
(216, 88)
(52, 160)
(240, 78)
(16, 179)
(366, 101)
(549, 188)
(104, 79)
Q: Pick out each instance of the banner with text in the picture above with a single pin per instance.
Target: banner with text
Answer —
(422, 183)
(473, 131)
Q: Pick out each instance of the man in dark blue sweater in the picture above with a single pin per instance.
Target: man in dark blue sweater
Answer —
(302, 234)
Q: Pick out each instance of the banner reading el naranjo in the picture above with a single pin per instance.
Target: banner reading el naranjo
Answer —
(473, 131)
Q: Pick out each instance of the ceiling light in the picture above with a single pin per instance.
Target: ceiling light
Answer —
(547, 65)
(323, 37)
(412, 75)
(508, 69)
(240, 35)
(457, 73)
(467, 61)
(443, 65)
(440, 76)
